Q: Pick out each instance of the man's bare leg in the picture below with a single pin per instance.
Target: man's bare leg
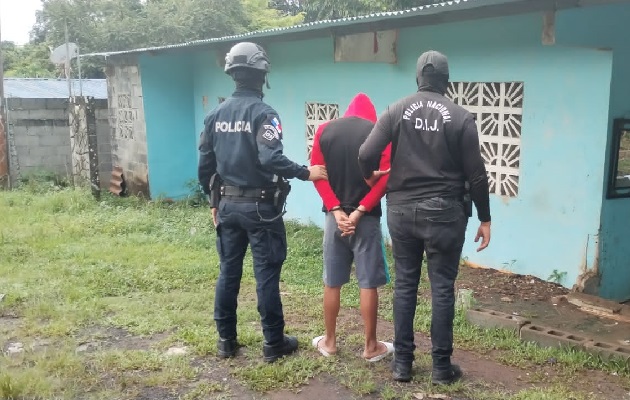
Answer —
(332, 300)
(369, 308)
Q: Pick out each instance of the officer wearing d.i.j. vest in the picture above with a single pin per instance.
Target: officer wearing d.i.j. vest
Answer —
(241, 143)
(435, 153)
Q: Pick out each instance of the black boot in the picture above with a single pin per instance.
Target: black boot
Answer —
(227, 348)
(288, 345)
(401, 370)
(446, 376)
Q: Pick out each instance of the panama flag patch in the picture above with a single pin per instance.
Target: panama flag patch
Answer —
(276, 124)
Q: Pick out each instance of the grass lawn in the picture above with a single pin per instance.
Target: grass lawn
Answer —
(98, 294)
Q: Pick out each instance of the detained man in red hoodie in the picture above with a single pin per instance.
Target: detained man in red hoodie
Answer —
(352, 230)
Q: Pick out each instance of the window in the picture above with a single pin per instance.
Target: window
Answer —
(126, 116)
(498, 108)
(317, 114)
(619, 174)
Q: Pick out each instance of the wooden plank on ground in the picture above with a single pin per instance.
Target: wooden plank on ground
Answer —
(583, 300)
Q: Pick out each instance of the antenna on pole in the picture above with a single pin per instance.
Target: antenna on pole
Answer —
(67, 61)
(80, 77)
(4, 140)
(63, 55)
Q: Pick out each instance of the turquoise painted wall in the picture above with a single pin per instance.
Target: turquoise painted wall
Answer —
(605, 30)
(167, 87)
(554, 221)
(559, 200)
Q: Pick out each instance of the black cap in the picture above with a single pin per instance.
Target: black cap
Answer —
(437, 60)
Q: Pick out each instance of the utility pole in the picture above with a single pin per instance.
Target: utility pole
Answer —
(68, 60)
(4, 142)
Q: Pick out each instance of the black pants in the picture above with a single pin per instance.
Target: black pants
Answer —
(436, 226)
(240, 226)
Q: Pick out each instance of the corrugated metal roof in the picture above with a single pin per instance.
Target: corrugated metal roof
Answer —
(41, 88)
(428, 9)
(459, 9)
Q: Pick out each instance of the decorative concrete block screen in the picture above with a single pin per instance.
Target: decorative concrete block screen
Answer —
(498, 108)
(317, 114)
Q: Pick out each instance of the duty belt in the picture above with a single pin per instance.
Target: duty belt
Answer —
(265, 194)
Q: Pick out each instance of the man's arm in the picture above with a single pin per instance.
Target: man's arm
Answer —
(269, 140)
(373, 198)
(207, 168)
(475, 170)
(371, 150)
(323, 186)
(207, 160)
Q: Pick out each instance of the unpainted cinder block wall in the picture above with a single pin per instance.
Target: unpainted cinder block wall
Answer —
(128, 130)
(39, 138)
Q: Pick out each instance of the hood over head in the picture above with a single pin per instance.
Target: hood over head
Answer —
(432, 72)
(246, 78)
(361, 106)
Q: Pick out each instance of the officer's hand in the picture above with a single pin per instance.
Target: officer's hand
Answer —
(215, 218)
(376, 175)
(483, 233)
(317, 172)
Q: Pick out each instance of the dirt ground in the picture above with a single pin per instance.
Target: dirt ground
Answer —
(519, 294)
(534, 299)
(523, 295)
(480, 371)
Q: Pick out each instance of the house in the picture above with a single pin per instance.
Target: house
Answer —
(38, 125)
(548, 81)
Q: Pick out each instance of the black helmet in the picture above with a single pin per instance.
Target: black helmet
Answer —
(247, 55)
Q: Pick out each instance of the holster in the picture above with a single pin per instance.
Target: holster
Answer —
(282, 192)
(215, 190)
(468, 205)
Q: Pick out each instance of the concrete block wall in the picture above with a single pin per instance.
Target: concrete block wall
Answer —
(4, 161)
(104, 139)
(545, 336)
(40, 137)
(128, 129)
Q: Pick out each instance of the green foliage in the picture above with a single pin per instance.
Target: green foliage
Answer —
(29, 61)
(114, 25)
(129, 278)
(557, 277)
(42, 181)
(334, 9)
(508, 265)
(263, 17)
(197, 196)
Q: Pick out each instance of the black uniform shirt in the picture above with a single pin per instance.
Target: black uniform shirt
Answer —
(241, 141)
(435, 150)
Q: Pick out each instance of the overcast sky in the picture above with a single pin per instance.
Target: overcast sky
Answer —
(18, 17)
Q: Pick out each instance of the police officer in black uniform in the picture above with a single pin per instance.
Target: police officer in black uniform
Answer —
(243, 170)
(436, 168)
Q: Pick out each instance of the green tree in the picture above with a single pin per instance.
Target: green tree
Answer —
(95, 25)
(286, 7)
(29, 61)
(261, 16)
(317, 10)
(9, 54)
(114, 25)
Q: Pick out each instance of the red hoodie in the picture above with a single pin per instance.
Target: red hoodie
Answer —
(336, 145)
